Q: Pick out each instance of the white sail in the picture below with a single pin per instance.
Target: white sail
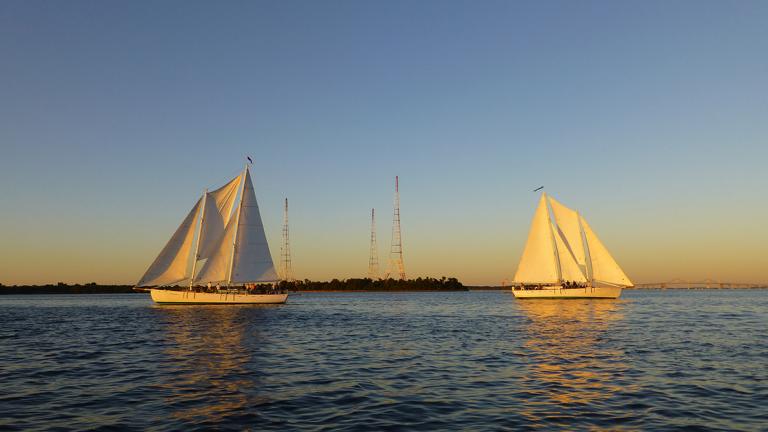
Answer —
(568, 225)
(216, 269)
(604, 267)
(252, 260)
(569, 268)
(218, 211)
(537, 264)
(171, 266)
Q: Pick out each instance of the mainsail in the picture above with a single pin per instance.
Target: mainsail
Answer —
(171, 266)
(251, 258)
(218, 210)
(568, 225)
(538, 263)
(565, 249)
(216, 269)
(231, 240)
(569, 268)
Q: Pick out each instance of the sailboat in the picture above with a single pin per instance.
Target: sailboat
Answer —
(564, 258)
(219, 254)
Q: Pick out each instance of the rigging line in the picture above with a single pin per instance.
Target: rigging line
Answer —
(235, 173)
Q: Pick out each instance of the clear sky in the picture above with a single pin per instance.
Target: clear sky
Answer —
(650, 117)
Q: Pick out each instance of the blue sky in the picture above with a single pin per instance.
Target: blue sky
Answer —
(651, 118)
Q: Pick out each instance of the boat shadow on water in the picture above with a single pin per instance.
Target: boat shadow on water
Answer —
(574, 369)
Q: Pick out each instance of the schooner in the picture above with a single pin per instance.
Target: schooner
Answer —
(219, 254)
(564, 258)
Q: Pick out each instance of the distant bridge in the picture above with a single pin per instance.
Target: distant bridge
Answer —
(701, 284)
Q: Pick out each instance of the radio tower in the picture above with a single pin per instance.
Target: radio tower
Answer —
(285, 250)
(396, 248)
(373, 258)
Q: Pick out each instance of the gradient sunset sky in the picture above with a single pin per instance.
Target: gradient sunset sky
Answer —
(650, 117)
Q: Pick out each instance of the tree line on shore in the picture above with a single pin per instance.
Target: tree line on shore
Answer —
(62, 288)
(352, 284)
(367, 284)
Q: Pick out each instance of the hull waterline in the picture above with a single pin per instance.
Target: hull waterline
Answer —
(191, 297)
(568, 293)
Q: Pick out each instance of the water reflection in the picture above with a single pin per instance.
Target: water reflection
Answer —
(571, 364)
(210, 356)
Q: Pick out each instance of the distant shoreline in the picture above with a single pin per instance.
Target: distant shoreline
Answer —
(374, 285)
(128, 289)
(379, 290)
(335, 285)
(91, 288)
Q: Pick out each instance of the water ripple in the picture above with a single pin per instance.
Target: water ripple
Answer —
(399, 361)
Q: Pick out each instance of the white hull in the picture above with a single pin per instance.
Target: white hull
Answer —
(568, 293)
(191, 297)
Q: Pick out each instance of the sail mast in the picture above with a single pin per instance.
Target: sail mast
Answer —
(199, 234)
(237, 223)
(587, 254)
(554, 242)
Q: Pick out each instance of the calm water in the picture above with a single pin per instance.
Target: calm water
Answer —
(419, 361)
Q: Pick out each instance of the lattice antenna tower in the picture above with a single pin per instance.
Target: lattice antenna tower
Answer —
(396, 248)
(373, 257)
(285, 249)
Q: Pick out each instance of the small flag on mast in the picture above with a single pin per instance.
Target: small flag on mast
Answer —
(250, 161)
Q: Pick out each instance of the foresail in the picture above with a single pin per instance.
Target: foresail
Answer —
(537, 264)
(171, 266)
(568, 224)
(216, 269)
(570, 271)
(604, 267)
(218, 211)
(252, 259)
